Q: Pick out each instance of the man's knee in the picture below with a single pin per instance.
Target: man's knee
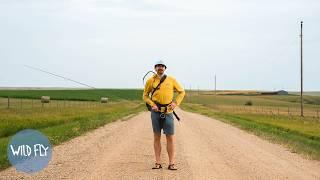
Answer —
(157, 137)
(169, 138)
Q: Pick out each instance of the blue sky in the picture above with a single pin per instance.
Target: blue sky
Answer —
(111, 44)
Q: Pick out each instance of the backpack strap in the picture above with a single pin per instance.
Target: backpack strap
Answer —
(161, 81)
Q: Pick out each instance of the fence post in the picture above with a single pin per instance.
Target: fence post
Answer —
(20, 103)
(318, 113)
(32, 103)
(8, 102)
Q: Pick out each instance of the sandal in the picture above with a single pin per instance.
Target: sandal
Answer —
(172, 167)
(157, 166)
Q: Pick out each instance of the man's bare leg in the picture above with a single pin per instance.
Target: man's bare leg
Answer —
(170, 148)
(157, 146)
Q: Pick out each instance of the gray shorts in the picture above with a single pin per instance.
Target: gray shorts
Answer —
(166, 124)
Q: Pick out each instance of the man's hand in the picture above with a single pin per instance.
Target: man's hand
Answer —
(155, 108)
(172, 105)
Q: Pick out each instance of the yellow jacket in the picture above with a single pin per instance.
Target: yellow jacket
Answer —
(165, 94)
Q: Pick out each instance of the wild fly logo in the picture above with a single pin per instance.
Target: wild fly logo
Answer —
(26, 150)
(29, 151)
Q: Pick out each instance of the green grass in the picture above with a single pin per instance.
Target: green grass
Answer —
(299, 135)
(307, 99)
(257, 100)
(85, 95)
(61, 124)
(310, 93)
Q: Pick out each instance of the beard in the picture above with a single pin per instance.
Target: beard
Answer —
(160, 72)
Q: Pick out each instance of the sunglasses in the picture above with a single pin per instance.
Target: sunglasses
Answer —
(160, 65)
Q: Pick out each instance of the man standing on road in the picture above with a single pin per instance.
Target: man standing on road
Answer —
(162, 105)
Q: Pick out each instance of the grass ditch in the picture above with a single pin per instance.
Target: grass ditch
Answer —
(298, 135)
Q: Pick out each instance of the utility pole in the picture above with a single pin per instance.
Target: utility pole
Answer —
(215, 84)
(215, 89)
(301, 71)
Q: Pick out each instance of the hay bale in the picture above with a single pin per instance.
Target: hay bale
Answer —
(104, 100)
(45, 99)
(248, 103)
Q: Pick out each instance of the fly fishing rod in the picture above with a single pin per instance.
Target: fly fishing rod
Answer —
(146, 76)
(65, 78)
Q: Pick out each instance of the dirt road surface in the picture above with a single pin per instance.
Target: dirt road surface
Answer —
(205, 149)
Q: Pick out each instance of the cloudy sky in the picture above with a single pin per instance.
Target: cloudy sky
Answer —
(248, 44)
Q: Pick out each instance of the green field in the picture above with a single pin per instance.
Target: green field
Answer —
(258, 100)
(81, 94)
(205, 97)
(310, 93)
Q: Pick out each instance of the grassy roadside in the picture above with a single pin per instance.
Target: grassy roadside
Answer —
(60, 126)
(300, 136)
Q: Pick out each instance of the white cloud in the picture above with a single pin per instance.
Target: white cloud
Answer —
(235, 39)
